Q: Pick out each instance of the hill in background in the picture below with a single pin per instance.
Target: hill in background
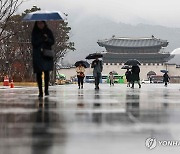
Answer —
(86, 31)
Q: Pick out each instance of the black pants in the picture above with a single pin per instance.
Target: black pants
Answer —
(80, 80)
(137, 82)
(97, 79)
(46, 81)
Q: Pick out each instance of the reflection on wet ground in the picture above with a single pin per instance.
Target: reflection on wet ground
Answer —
(72, 121)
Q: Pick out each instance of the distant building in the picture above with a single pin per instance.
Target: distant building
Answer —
(146, 50)
(149, 51)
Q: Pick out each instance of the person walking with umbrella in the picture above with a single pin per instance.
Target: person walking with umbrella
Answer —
(166, 78)
(135, 70)
(80, 75)
(42, 39)
(97, 69)
(135, 75)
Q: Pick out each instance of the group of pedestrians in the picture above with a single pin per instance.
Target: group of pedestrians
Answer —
(132, 76)
(97, 70)
(43, 39)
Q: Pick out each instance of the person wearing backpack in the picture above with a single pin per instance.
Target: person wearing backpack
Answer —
(135, 75)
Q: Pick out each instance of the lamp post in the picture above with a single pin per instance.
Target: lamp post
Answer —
(61, 57)
(166, 66)
(7, 68)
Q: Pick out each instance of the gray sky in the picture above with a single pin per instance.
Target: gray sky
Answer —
(154, 12)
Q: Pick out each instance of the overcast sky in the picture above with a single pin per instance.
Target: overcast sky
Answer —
(155, 12)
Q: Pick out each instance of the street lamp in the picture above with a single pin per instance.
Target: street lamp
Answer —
(7, 67)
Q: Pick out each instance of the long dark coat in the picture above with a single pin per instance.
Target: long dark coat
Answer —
(135, 73)
(98, 67)
(128, 76)
(166, 77)
(39, 42)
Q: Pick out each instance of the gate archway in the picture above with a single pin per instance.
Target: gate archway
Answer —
(150, 73)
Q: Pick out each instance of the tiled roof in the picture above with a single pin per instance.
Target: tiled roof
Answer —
(133, 42)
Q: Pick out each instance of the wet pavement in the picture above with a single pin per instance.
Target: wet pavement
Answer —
(111, 120)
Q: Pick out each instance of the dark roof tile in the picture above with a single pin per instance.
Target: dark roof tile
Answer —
(133, 42)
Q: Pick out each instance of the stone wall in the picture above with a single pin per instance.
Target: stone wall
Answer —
(145, 68)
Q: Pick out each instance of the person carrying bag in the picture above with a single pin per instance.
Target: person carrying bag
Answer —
(42, 40)
(80, 75)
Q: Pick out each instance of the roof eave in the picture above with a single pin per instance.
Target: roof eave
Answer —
(104, 45)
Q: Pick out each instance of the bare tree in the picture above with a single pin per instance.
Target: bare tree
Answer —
(16, 50)
(61, 31)
(16, 56)
(7, 9)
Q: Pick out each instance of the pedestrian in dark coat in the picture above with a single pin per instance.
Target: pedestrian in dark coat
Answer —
(166, 78)
(135, 75)
(128, 77)
(42, 38)
(97, 69)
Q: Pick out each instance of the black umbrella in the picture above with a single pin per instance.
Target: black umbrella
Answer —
(94, 56)
(126, 67)
(132, 62)
(83, 63)
(164, 71)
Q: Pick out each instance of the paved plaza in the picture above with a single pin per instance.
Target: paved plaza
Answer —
(112, 120)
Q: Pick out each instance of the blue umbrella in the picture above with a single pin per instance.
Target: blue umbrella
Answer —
(44, 16)
(164, 71)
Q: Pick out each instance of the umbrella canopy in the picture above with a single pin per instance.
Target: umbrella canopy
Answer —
(164, 71)
(94, 55)
(126, 67)
(44, 16)
(113, 72)
(132, 62)
(83, 63)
